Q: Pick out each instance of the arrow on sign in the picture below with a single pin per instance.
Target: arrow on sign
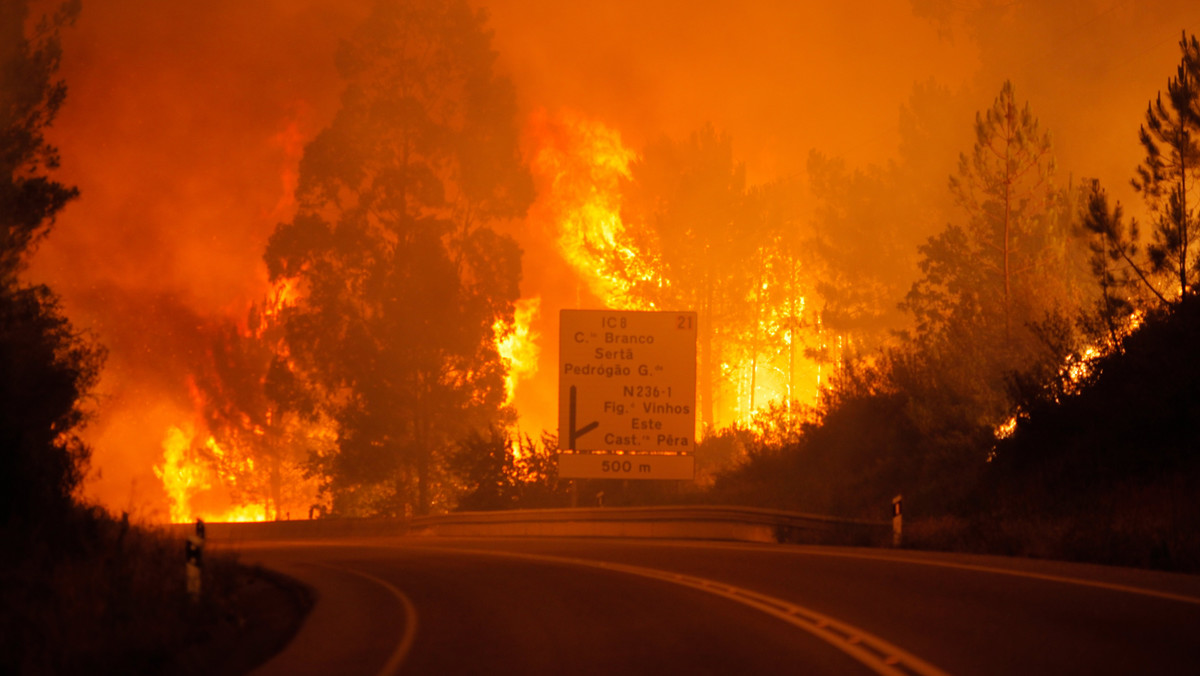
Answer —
(572, 433)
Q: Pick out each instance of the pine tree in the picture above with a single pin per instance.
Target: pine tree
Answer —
(1005, 188)
(1168, 177)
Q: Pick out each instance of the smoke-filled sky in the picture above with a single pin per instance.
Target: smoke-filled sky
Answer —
(185, 122)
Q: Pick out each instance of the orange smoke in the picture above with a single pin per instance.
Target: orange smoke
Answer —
(185, 122)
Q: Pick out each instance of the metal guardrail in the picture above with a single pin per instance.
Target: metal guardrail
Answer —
(701, 522)
(695, 522)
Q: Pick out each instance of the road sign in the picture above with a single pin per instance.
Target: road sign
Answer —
(626, 466)
(627, 381)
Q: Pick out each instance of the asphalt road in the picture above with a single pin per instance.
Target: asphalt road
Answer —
(602, 606)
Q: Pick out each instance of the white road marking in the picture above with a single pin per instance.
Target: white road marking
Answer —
(873, 652)
(1015, 573)
(805, 551)
(396, 660)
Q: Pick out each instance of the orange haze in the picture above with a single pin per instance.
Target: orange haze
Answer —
(185, 122)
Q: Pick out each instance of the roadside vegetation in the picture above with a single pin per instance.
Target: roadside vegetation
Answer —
(1042, 398)
(82, 592)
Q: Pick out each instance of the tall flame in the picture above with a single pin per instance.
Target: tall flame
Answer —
(518, 346)
(580, 165)
(191, 483)
(220, 481)
(583, 163)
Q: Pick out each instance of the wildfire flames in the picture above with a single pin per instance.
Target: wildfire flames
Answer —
(582, 163)
(194, 488)
(162, 254)
(215, 481)
(518, 346)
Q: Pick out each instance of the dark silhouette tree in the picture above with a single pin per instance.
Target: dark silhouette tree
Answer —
(402, 277)
(1168, 176)
(1114, 254)
(985, 286)
(47, 367)
(1005, 188)
(31, 97)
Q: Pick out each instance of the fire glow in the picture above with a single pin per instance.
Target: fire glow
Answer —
(583, 162)
(518, 346)
(193, 485)
(169, 231)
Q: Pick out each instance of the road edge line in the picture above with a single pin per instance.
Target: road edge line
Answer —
(1047, 577)
(396, 660)
(878, 655)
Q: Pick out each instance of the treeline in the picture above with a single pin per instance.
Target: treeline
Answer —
(1044, 401)
(925, 347)
(80, 590)
(1043, 398)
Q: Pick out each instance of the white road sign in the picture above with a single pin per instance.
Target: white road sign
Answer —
(627, 381)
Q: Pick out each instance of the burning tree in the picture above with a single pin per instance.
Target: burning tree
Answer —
(685, 212)
(402, 279)
(262, 424)
(778, 295)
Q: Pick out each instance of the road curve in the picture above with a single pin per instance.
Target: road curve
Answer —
(601, 606)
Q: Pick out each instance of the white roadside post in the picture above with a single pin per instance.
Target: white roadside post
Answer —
(897, 517)
(194, 556)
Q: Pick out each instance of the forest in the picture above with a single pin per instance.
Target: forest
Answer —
(998, 342)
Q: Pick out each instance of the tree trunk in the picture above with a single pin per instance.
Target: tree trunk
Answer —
(1006, 243)
(793, 322)
(276, 485)
(755, 341)
(1183, 215)
(706, 357)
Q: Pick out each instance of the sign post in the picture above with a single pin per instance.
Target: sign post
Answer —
(194, 560)
(897, 520)
(627, 387)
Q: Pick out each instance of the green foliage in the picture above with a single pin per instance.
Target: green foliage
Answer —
(403, 279)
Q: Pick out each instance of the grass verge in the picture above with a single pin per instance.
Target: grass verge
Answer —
(109, 598)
